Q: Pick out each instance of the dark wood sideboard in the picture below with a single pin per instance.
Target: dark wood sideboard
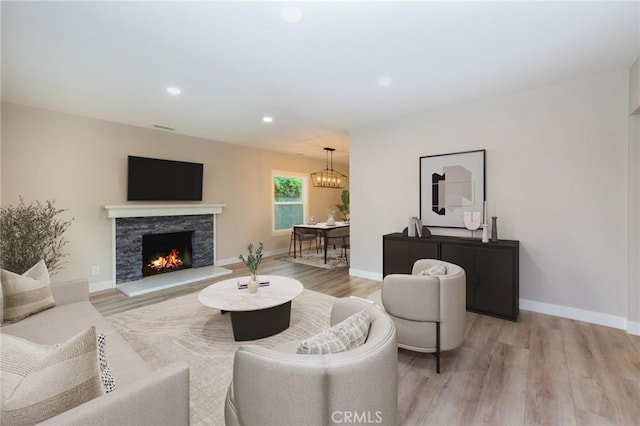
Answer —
(492, 269)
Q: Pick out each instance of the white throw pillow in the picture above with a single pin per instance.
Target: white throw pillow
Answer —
(26, 294)
(42, 381)
(346, 335)
(435, 270)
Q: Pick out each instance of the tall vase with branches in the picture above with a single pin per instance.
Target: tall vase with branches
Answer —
(252, 261)
(32, 232)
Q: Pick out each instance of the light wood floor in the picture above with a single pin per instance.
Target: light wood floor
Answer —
(541, 370)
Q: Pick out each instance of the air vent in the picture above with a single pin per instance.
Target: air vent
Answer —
(158, 126)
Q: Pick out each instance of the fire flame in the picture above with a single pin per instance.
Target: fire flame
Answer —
(170, 261)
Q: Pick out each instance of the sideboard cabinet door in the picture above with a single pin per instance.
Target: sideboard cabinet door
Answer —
(492, 275)
(463, 256)
(400, 253)
(423, 248)
(495, 291)
(396, 254)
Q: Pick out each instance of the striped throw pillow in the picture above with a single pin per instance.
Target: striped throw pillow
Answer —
(26, 294)
(41, 381)
(346, 335)
(108, 382)
(434, 271)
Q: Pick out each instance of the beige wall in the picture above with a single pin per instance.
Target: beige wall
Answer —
(556, 175)
(634, 198)
(634, 87)
(82, 164)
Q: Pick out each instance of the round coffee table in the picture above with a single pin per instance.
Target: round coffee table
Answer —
(254, 316)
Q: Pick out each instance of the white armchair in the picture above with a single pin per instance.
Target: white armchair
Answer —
(429, 311)
(280, 387)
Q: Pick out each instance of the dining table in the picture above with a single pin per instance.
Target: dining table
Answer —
(324, 229)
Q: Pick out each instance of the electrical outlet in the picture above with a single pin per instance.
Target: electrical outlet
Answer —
(95, 270)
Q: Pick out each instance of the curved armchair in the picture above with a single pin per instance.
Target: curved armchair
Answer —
(279, 387)
(429, 311)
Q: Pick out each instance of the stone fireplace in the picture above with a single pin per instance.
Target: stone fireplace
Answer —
(130, 232)
(151, 240)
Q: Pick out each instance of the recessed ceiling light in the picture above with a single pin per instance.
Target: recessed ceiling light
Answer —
(291, 14)
(384, 81)
(267, 119)
(174, 90)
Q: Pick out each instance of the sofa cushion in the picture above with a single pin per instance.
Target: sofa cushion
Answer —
(345, 335)
(435, 270)
(65, 321)
(26, 294)
(41, 381)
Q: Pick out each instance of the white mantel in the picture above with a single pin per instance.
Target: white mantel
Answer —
(149, 210)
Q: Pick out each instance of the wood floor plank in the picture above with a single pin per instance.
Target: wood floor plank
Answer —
(592, 386)
(516, 334)
(548, 398)
(456, 402)
(505, 386)
(541, 370)
(417, 387)
(621, 363)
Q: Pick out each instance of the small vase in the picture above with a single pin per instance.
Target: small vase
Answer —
(494, 229)
(485, 233)
(253, 284)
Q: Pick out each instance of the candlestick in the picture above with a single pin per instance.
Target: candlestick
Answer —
(484, 216)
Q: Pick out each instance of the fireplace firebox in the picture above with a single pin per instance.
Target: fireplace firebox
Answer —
(166, 252)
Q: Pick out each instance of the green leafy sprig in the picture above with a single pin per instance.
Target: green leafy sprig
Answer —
(253, 259)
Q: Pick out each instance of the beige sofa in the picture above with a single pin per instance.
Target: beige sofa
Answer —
(142, 396)
(279, 387)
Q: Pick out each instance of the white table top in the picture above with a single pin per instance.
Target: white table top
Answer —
(226, 296)
(322, 225)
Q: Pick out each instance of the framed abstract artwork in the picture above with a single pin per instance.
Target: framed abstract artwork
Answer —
(451, 184)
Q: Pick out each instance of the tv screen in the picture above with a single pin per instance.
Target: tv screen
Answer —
(152, 179)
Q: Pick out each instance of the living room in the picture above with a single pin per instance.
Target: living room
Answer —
(562, 161)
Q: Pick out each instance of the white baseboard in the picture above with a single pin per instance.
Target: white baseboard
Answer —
(633, 328)
(575, 313)
(365, 274)
(229, 261)
(101, 286)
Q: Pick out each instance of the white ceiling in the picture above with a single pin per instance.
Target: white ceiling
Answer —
(238, 61)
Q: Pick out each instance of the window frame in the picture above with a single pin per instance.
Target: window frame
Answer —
(305, 198)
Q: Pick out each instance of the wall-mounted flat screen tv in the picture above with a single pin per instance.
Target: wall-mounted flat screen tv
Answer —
(152, 179)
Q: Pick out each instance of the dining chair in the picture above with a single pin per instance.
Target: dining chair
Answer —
(299, 235)
(339, 237)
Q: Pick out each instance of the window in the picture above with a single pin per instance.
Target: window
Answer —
(289, 200)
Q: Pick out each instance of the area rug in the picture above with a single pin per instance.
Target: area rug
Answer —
(183, 329)
(311, 258)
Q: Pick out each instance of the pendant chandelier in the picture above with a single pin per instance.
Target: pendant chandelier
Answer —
(329, 178)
